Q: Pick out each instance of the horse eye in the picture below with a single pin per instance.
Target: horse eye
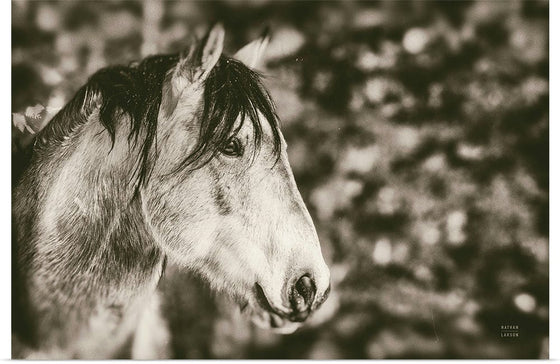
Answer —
(233, 148)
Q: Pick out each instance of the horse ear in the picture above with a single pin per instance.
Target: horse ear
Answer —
(194, 66)
(197, 62)
(212, 46)
(251, 54)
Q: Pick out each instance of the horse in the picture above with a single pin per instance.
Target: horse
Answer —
(176, 157)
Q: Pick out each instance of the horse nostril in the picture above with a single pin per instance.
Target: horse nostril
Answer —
(303, 294)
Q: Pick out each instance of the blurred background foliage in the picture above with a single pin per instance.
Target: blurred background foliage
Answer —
(418, 135)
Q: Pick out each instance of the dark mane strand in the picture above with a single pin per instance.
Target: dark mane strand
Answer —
(135, 92)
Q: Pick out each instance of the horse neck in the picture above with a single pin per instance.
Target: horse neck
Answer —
(83, 231)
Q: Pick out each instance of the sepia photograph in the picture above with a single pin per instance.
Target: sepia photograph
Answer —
(261, 179)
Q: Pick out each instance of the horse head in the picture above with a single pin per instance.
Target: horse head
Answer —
(221, 199)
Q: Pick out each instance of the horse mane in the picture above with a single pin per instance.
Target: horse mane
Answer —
(231, 91)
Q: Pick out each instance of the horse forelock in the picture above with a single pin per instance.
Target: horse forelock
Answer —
(232, 92)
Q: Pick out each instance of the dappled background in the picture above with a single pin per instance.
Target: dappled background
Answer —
(418, 135)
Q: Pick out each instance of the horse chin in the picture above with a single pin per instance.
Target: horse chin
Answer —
(273, 322)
